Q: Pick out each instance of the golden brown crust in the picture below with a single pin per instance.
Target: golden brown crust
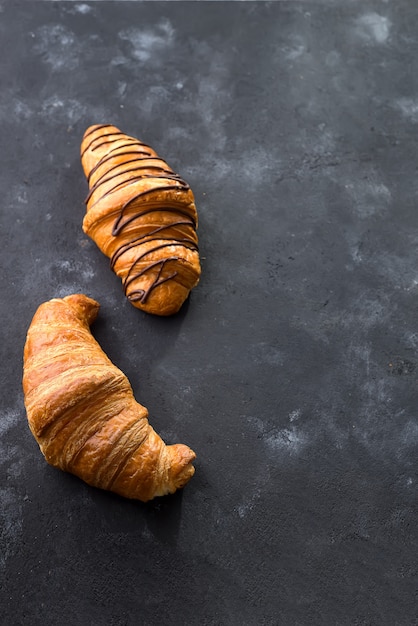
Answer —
(82, 412)
(141, 215)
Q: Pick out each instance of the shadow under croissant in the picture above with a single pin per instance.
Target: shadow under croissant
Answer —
(162, 515)
(145, 331)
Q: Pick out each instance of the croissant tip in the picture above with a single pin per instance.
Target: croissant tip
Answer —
(85, 305)
(182, 469)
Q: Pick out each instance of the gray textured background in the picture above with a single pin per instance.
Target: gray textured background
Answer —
(292, 370)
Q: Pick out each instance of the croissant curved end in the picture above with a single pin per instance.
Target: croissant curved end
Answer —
(86, 307)
(181, 467)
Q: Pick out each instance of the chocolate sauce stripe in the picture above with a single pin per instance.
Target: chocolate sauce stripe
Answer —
(185, 243)
(109, 157)
(108, 141)
(95, 128)
(117, 227)
(142, 294)
(130, 181)
(152, 286)
(123, 163)
(119, 224)
(129, 279)
(102, 181)
(143, 193)
(149, 236)
(89, 145)
(130, 141)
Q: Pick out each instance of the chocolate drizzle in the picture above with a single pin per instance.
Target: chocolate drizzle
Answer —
(108, 157)
(104, 178)
(149, 237)
(143, 163)
(120, 223)
(93, 129)
(142, 294)
(90, 144)
(130, 180)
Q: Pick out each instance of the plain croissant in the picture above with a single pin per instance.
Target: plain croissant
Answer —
(141, 215)
(82, 412)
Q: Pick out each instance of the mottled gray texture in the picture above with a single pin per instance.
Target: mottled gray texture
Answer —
(292, 371)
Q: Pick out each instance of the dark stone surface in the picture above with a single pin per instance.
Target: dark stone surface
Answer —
(292, 371)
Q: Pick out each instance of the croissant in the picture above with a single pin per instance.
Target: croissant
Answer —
(82, 412)
(141, 215)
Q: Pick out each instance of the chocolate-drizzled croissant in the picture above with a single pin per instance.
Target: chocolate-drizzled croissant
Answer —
(82, 412)
(142, 215)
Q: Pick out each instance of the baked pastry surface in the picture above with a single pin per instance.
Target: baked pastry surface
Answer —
(82, 411)
(142, 215)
